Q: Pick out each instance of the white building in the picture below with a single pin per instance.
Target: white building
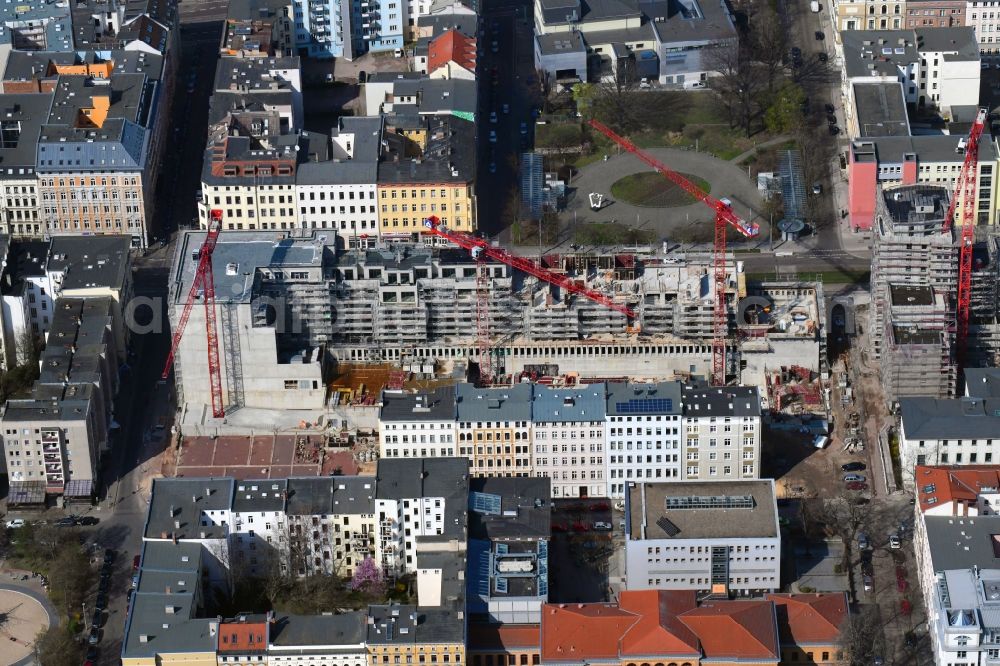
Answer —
(720, 537)
(960, 431)
(339, 193)
(982, 15)
(644, 429)
(569, 442)
(259, 537)
(721, 433)
(419, 505)
(417, 425)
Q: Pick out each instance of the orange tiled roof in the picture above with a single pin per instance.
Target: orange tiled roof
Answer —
(504, 636)
(735, 629)
(659, 631)
(805, 619)
(959, 484)
(575, 632)
(242, 636)
(452, 46)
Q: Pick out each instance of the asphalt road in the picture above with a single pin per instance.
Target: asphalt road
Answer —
(504, 78)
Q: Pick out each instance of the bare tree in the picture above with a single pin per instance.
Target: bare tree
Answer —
(739, 81)
(616, 100)
(769, 44)
(861, 636)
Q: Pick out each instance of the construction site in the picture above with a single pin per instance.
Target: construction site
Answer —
(915, 278)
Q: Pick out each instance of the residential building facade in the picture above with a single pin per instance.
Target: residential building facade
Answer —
(644, 426)
(568, 427)
(494, 429)
(721, 433)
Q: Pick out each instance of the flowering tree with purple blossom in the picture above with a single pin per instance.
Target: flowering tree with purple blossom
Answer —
(368, 578)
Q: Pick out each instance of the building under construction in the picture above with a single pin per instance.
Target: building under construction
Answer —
(914, 282)
(292, 311)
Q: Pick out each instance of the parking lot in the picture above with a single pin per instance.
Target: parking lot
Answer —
(586, 551)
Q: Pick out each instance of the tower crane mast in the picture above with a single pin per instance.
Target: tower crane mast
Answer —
(965, 189)
(724, 217)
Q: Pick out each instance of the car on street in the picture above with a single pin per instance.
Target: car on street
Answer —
(834, 130)
(853, 477)
(857, 485)
(493, 167)
(88, 521)
(524, 128)
(853, 466)
(863, 541)
(602, 526)
(495, 47)
(66, 522)
(493, 117)
(796, 53)
(506, 108)
(135, 562)
(820, 36)
(817, 188)
(823, 57)
(869, 583)
(493, 136)
(559, 527)
(581, 526)
(95, 636)
(829, 109)
(14, 523)
(894, 542)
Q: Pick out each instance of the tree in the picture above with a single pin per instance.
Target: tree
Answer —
(368, 578)
(785, 112)
(55, 647)
(861, 636)
(67, 588)
(738, 81)
(616, 102)
(769, 44)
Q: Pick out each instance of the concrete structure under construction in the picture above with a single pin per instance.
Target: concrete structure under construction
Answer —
(295, 309)
(914, 278)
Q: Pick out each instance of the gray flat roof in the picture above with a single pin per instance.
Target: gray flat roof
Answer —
(555, 43)
(17, 158)
(525, 509)
(347, 629)
(963, 543)
(957, 418)
(309, 496)
(648, 502)
(245, 252)
(569, 404)
(917, 204)
(957, 44)
(911, 294)
(436, 405)
(881, 109)
(91, 261)
(187, 499)
(493, 404)
(926, 148)
(878, 52)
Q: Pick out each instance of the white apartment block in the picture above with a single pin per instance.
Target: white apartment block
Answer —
(417, 425)
(720, 537)
(259, 536)
(418, 502)
(721, 433)
(984, 17)
(644, 430)
(960, 431)
(569, 442)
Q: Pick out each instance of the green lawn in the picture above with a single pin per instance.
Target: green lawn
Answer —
(654, 190)
(608, 233)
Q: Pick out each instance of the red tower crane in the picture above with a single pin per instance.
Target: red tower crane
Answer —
(724, 216)
(965, 188)
(481, 250)
(203, 282)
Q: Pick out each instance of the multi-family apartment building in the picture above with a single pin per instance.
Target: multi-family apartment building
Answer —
(340, 192)
(493, 429)
(982, 16)
(935, 13)
(710, 536)
(568, 432)
(425, 169)
(23, 115)
(36, 273)
(869, 15)
(418, 425)
(53, 439)
(644, 429)
(721, 432)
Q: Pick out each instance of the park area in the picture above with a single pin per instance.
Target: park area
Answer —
(652, 189)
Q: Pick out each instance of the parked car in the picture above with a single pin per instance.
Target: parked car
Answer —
(853, 466)
(902, 584)
(894, 542)
(905, 607)
(602, 526)
(857, 485)
(493, 117)
(580, 526)
(66, 522)
(869, 583)
(95, 636)
(14, 523)
(900, 572)
(493, 136)
(854, 477)
(817, 188)
(823, 57)
(88, 520)
(820, 36)
(863, 541)
(830, 110)
(559, 527)
(600, 506)
(834, 130)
